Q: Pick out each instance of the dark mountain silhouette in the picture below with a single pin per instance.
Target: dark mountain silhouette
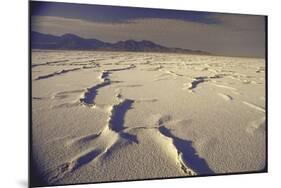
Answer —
(74, 42)
(66, 41)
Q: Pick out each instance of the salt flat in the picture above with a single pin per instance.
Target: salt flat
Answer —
(104, 116)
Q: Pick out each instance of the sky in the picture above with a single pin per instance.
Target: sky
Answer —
(217, 33)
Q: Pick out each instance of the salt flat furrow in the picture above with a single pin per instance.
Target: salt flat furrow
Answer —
(182, 151)
(225, 87)
(112, 136)
(121, 69)
(50, 63)
(225, 96)
(195, 82)
(256, 107)
(91, 93)
(186, 155)
(57, 73)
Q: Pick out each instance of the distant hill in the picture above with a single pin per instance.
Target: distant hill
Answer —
(74, 42)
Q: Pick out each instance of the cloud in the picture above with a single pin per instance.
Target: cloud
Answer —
(234, 34)
(241, 22)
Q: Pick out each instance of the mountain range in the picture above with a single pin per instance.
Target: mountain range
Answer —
(74, 42)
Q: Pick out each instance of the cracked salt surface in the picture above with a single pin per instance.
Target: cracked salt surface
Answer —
(104, 116)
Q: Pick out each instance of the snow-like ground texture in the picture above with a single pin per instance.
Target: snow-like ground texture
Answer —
(104, 116)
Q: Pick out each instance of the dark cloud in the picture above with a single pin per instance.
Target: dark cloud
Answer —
(115, 14)
(227, 34)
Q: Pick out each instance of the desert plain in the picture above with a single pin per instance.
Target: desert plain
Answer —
(112, 116)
